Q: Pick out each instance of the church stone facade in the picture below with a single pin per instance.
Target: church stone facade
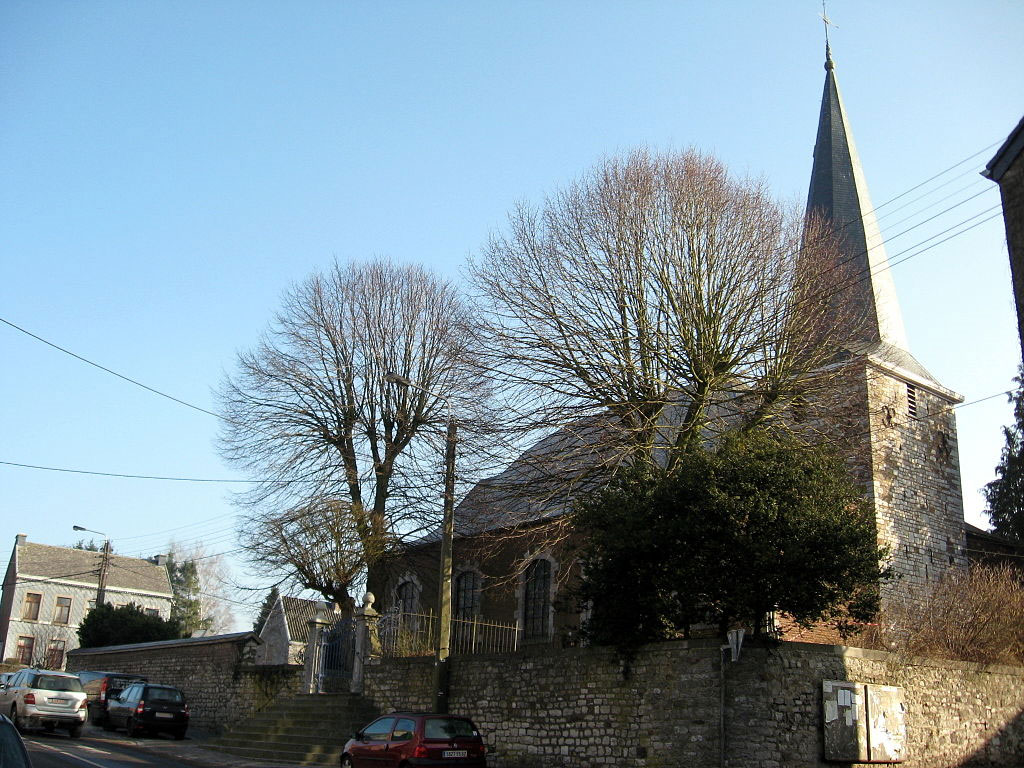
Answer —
(903, 427)
(895, 421)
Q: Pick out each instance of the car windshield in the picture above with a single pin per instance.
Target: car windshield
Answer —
(446, 728)
(164, 694)
(57, 683)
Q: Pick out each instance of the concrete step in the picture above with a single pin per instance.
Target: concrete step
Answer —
(282, 755)
(308, 730)
(310, 738)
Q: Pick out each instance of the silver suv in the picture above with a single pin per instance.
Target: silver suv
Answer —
(38, 698)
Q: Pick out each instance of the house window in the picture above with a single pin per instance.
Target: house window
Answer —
(406, 594)
(30, 610)
(55, 654)
(62, 610)
(152, 612)
(467, 595)
(25, 647)
(537, 600)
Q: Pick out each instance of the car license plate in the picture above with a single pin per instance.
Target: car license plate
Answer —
(164, 714)
(57, 701)
(455, 753)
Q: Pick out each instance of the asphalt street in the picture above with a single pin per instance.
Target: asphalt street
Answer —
(56, 750)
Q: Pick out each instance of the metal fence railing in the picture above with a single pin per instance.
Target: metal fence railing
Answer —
(412, 634)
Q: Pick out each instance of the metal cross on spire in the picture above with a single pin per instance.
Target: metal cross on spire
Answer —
(828, 23)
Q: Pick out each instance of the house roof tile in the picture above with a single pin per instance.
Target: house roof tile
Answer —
(83, 566)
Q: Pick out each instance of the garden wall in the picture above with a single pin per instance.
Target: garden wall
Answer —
(217, 675)
(579, 707)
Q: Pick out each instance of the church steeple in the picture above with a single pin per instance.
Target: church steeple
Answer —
(839, 193)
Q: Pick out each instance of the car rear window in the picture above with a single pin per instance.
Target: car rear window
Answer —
(164, 694)
(446, 728)
(57, 683)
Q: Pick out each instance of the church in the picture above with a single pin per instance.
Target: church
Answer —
(897, 420)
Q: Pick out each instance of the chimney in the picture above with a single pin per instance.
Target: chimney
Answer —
(20, 539)
(159, 560)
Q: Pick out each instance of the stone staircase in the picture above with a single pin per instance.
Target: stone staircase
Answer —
(304, 730)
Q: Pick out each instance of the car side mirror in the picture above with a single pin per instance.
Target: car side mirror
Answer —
(358, 736)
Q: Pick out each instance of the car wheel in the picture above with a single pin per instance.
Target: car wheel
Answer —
(16, 720)
(346, 761)
(179, 735)
(75, 731)
(107, 725)
(129, 726)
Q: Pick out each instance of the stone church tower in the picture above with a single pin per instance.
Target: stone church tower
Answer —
(901, 423)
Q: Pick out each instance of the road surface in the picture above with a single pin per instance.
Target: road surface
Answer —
(56, 750)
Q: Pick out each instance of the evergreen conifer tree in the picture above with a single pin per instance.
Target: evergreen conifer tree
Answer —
(1005, 494)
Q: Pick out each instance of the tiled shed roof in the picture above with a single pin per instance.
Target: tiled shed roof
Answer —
(83, 566)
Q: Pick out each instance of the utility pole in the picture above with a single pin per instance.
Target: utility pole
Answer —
(443, 634)
(101, 582)
(101, 587)
(444, 589)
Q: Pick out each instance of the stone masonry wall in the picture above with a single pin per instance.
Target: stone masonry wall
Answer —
(916, 481)
(219, 682)
(576, 707)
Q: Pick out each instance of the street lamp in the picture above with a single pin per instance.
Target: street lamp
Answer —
(443, 635)
(101, 584)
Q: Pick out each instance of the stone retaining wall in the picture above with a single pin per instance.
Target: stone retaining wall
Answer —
(579, 707)
(220, 683)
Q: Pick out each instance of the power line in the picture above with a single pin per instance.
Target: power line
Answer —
(108, 370)
(187, 404)
(170, 530)
(140, 477)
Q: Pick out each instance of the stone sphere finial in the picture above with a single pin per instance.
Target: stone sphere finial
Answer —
(368, 599)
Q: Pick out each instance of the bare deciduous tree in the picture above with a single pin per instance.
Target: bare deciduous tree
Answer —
(655, 303)
(346, 465)
(201, 583)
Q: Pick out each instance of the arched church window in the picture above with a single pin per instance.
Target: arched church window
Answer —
(467, 595)
(407, 595)
(537, 600)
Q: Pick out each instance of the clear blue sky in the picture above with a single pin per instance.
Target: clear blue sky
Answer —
(169, 168)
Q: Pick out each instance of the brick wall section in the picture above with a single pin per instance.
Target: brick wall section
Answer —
(574, 707)
(219, 682)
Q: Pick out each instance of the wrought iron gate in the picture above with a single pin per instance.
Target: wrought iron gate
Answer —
(335, 657)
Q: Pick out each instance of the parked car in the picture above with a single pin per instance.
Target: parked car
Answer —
(150, 708)
(39, 698)
(12, 749)
(413, 738)
(101, 687)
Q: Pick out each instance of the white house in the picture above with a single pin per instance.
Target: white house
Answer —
(48, 590)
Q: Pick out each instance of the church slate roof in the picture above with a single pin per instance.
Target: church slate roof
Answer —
(839, 192)
(83, 567)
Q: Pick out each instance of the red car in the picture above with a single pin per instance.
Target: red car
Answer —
(413, 738)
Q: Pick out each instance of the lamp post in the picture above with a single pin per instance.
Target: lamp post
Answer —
(101, 584)
(442, 639)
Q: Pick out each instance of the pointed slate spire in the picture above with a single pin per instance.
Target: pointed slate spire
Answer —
(838, 192)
